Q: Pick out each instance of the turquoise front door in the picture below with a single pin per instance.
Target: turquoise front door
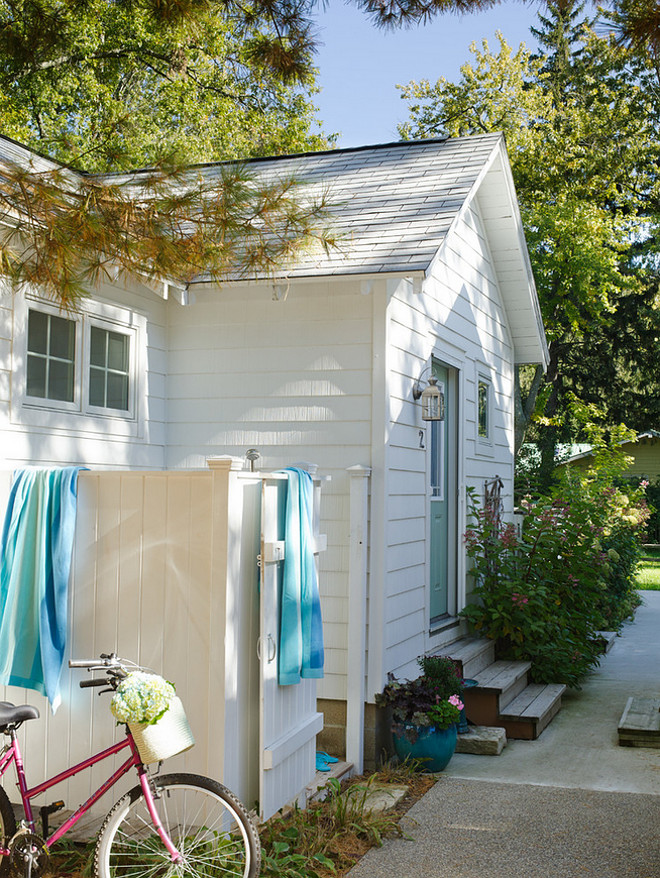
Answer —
(441, 444)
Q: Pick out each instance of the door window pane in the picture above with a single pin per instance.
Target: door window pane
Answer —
(437, 459)
(484, 405)
(51, 357)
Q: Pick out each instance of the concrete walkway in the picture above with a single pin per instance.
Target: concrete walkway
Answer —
(571, 804)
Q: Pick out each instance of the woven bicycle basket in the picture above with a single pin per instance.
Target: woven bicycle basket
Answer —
(165, 738)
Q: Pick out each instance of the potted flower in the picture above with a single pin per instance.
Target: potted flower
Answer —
(148, 704)
(425, 712)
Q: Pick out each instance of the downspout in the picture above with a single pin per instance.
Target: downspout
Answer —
(357, 613)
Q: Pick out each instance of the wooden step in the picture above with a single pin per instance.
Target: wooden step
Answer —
(605, 640)
(498, 685)
(530, 712)
(639, 725)
(474, 654)
(503, 697)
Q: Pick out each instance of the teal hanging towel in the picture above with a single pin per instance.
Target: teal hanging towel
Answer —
(301, 625)
(37, 542)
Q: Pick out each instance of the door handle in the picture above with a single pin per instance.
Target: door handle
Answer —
(272, 649)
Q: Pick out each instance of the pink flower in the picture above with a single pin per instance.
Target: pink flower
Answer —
(470, 538)
(509, 537)
(456, 701)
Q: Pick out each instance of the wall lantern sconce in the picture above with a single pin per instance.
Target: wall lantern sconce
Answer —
(433, 399)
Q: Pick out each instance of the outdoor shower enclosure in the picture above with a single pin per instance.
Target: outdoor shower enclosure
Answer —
(179, 571)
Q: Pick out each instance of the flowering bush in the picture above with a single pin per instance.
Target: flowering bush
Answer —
(432, 700)
(141, 698)
(543, 596)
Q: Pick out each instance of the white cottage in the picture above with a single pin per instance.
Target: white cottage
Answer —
(431, 278)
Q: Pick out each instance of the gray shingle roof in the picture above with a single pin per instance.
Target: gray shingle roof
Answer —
(391, 208)
(391, 205)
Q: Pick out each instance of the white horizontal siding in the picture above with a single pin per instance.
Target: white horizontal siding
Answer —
(459, 319)
(291, 379)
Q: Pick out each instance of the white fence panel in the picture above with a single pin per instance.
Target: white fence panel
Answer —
(165, 574)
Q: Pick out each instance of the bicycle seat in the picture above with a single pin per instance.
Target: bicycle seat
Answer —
(10, 714)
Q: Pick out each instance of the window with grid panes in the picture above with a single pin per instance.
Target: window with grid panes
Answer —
(51, 357)
(109, 369)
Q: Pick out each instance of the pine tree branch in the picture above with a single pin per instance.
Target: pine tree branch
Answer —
(66, 232)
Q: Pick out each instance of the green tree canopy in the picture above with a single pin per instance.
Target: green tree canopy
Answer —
(114, 84)
(107, 85)
(580, 125)
(110, 85)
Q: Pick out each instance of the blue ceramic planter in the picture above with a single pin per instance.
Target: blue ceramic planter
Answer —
(434, 746)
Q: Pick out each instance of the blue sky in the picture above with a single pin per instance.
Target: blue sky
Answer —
(360, 65)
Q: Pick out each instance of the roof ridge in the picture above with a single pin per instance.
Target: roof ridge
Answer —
(394, 144)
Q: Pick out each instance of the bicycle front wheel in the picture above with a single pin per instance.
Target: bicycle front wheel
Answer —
(207, 824)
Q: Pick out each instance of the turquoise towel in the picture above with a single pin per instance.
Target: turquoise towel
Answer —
(301, 626)
(37, 541)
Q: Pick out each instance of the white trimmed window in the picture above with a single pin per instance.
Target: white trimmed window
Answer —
(109, 369)
(77, 371)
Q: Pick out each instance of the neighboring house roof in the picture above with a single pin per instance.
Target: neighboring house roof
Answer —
(393, 206)
(583, 451)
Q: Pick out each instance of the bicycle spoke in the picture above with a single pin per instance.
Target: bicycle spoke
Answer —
(207, 826)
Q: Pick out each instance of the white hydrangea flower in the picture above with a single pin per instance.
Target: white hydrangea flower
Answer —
(141, 698)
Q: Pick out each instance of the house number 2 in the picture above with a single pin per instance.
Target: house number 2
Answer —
(421, 439)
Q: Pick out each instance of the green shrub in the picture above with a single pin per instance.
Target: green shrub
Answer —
(444, 672)
(542, 596)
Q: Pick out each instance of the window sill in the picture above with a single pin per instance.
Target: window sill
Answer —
(442, 625)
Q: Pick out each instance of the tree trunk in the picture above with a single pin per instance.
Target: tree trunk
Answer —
(524, 409)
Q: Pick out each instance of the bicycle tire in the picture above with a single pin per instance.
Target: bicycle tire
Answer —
(226, 843)
(7, 829)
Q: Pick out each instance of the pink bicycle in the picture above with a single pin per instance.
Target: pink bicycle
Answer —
(174, 825)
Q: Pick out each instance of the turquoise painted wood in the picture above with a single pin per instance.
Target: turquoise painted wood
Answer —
(439, 505)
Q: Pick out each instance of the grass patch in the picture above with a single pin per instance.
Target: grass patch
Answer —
(72, 859)
(648, 570)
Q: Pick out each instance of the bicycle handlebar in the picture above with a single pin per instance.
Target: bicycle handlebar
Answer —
(111, 665)
(87, 684)
(105, 661)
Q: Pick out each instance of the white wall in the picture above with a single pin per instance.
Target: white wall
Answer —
(325, 375)
(458, 319)
(149, 581)
(291, 379)
(34, 435)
